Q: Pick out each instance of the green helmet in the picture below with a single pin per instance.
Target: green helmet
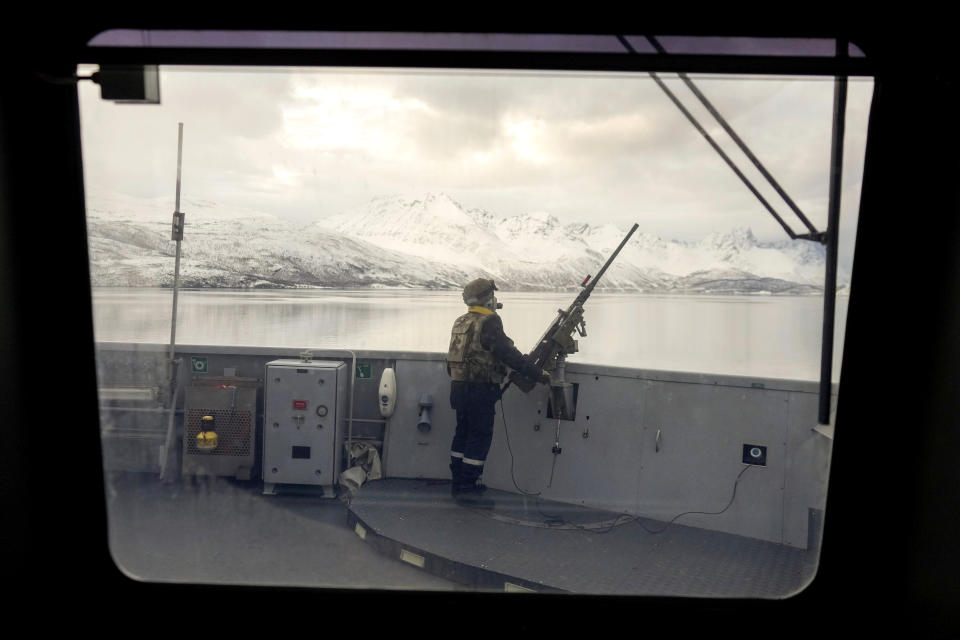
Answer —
(478, 291)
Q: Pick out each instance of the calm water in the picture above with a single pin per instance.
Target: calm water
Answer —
(769, 336)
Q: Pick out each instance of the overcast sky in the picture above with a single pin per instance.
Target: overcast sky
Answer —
(304, 144)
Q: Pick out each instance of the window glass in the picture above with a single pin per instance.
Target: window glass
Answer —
(342, 211)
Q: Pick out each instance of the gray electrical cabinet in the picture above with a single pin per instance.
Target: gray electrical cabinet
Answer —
(304, 411)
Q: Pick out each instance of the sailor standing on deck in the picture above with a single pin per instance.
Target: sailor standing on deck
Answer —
(477, 362)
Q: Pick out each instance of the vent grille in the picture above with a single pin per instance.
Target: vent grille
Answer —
(233, 428)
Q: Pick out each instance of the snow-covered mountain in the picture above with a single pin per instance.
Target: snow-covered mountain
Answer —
(130, 245)
(435, 228)
(428, 242)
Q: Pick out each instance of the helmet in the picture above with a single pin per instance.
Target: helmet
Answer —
(478, 291)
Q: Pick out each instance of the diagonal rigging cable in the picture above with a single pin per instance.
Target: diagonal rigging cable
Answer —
(829, 237)
(814, 234)
(743, 147)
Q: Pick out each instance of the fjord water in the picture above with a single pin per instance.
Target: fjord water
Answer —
(755, 335)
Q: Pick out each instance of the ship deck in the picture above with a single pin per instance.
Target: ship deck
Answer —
(400, 534)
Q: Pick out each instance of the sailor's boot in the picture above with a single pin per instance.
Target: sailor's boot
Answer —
(479, 486)
(456, 474)
(469, 492)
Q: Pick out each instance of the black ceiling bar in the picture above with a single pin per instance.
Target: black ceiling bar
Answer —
(487, 60)
(715, 146)
(743, 147)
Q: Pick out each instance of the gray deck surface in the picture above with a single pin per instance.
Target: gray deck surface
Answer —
(219, 531)
(575, 549)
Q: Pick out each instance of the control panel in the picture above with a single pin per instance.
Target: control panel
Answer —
(302, 427)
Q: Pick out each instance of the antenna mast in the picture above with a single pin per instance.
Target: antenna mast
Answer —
(176, 234)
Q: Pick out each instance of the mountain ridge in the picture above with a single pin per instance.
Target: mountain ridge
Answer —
(431, 242)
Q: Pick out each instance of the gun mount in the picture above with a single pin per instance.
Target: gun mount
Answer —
(557, 342)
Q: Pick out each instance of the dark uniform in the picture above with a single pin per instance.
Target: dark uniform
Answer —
(477, 362)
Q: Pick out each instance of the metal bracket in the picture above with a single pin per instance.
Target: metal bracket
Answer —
(819, 236)
(826, 430)
(176, 232)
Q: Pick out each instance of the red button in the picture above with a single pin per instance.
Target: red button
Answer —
(299, 404)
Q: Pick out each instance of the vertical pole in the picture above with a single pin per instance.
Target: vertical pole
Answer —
(166, 458)
(178, 219)
(830, 284)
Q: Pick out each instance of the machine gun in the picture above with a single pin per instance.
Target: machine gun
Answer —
(558, 342)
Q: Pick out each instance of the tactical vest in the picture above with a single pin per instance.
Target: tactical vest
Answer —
(467, 360)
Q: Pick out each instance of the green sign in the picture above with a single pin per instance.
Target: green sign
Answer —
(198, 364)
(363, 370)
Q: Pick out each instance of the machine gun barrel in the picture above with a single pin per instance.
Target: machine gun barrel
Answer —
(588, 287)
(556, 338)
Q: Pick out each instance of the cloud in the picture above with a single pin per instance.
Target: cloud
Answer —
(601, 147)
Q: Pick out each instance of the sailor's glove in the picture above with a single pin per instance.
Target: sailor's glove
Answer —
(545, 377)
